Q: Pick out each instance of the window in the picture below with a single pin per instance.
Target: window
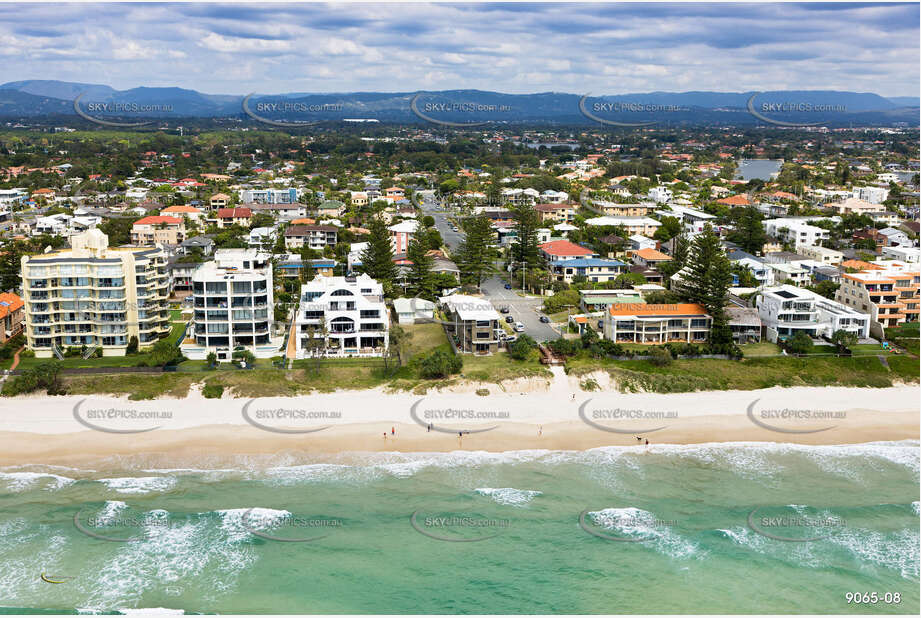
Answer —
(341, 293)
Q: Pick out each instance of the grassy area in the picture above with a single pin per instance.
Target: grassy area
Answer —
(423, 338)
(763, 348)
(750, 373)
(500, 366)
(136, 386)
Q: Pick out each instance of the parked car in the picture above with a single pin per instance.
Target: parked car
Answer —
(508, 286)
(519, 327)
(509, 319)
(544, 319)
(511, 339)
(600, 324)
(504, 310)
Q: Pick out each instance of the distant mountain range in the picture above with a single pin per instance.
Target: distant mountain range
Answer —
(34, 99)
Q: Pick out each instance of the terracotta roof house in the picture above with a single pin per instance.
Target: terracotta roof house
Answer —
(227, 217)
(556, 250)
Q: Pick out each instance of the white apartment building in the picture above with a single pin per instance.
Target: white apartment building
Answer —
(341, 317)
(660, 195)
(911, 255)
(786, 310)
(873, 195)
(795, 231)
(289, 195)
(233, 306)
(823, 255)
(95, 296)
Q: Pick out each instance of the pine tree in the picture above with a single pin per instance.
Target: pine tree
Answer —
(526, 224)
(377, 259)
(707, 280)
(420, 279)
(11, 267)
(474, 255)
(749, 231)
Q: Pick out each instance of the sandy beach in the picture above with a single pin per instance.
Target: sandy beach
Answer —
(76, 430)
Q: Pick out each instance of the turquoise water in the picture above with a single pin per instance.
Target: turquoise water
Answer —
(682, 514)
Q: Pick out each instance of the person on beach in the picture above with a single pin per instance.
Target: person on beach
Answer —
(393, 431)
(647, 441)
(540, 430)
(429, 428)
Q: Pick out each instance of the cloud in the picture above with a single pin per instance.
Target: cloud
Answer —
(510, 47)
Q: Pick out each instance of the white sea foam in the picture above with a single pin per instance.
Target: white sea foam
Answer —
(634, 523)
(140, 484)
(509, 496)
(259, 518)
(22, 481)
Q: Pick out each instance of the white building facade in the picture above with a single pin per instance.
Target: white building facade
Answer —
(341, 317)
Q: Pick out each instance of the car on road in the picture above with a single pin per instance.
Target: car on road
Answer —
(508, 286)
(544, 319)
(504, 310)
(509, 319)
(519, 327)
(511, 339)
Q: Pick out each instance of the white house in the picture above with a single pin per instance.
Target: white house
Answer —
(795, 231)
(786, 310)
(341, 317)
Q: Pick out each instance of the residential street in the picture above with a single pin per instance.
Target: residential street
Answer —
(524, 310)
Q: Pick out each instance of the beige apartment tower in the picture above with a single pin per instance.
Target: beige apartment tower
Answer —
(94, 295)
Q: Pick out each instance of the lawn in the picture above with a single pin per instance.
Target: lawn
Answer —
(423, 338)
(764, 348)
(499, 366)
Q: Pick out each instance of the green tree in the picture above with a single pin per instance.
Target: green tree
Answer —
(670, 228)
(799, 343)
(707, 281)
(843, 340)
(11, 266)
(475, 258)
(440, 364)
(521, 348)
(526, 225)
(420, 278)
(749, 232)
(377, 258)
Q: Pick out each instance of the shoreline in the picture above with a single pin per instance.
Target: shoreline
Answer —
(57, 431)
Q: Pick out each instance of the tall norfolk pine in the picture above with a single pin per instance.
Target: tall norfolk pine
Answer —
(707, 281)
(377, 259)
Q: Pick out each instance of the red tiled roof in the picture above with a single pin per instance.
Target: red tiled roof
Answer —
(564, 247)
(154, 220)
(233, 213)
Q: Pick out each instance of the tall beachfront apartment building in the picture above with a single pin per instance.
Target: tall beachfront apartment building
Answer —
(786, 310)
(233, 306)
(94, 295)
(887, 290)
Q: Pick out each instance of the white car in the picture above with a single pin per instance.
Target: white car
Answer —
(519, 327)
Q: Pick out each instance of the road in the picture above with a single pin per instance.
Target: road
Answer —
(524, 310)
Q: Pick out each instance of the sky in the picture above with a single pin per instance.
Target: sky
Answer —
(514, 48)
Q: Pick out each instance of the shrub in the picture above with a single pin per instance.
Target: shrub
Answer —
(482, 392)
(800, 343)
(132, 345)
(521, 349)
(660, 357)
(44, 375)
(212, 391)
(589, 384)
(440, 364)
(211, 360)
(565, 347)
(588, 337)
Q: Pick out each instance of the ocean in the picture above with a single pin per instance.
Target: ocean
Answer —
(713, 528)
